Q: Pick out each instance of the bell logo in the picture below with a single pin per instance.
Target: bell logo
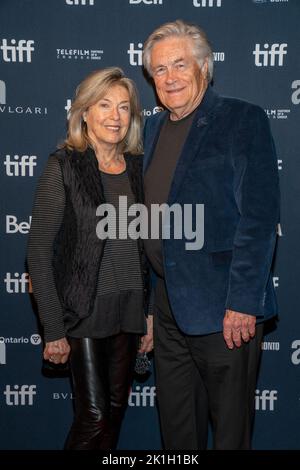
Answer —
(207, 3)
(20, 395)
(273, 51)
(295, 357)
(16, 53)
(265, 399)
(12, 226)
(146, 2)
(2, 92)
(135, 55)
(295, 95)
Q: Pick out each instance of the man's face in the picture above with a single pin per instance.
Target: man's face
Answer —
(179, 81)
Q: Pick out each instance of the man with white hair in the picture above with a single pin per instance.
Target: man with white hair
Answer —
(210, 303)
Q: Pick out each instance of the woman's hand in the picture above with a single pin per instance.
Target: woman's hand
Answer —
(147, 340)
(57, 351)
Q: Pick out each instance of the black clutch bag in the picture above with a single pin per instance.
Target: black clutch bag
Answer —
(49, 369)
(142, 364)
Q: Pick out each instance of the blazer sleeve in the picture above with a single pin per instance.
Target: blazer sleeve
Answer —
(257, 196)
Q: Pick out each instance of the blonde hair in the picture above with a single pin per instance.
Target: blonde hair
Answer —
(201, 47)
(91, 90)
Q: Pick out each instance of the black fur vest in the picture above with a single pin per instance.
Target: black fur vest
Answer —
(77, 249)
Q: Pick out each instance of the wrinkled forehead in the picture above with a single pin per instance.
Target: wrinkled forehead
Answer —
(172, 49)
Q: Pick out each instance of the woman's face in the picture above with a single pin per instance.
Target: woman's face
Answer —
(108, 120)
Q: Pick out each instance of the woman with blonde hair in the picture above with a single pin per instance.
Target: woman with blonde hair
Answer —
(92, 292)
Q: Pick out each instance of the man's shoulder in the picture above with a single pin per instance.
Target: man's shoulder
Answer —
(241, 106)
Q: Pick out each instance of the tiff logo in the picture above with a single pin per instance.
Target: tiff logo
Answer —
(207, 3)
(17, 284)
(2, 352)
(20, 396)
(274, 51)
(144, 397)
(295, 357)
(16, 53)
(2, 92)
(295, 94)
(135, 55)
(12, 226)
(20, 166)
(80, 2)
(265, 399)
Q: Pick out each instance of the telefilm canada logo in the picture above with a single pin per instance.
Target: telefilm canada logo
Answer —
(6, 107)
(277, 113)
(79, 54)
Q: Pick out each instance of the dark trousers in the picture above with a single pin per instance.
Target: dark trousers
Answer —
(102, 371)
(198, 378)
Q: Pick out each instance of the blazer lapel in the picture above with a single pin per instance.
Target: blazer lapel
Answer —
(201, 122)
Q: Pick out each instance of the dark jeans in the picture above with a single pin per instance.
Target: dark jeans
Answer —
(197, 378)
(102, 371)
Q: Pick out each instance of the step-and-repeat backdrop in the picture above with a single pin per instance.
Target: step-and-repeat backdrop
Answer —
(46, 48)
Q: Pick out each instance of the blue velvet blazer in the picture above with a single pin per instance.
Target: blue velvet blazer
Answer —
(229, 164)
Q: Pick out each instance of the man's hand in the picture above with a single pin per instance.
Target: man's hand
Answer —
(237, 327)
(57, 351)
(147, 340)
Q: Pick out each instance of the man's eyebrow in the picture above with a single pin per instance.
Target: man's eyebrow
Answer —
(181, 59)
